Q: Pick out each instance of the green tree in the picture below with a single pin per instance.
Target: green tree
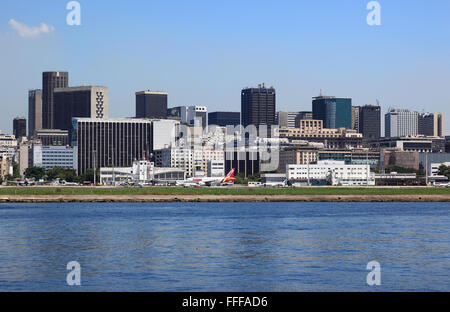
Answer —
(444, 170)
(393, 168)
(69, 175)
(35, 172)
(88, 176)
(16, 172)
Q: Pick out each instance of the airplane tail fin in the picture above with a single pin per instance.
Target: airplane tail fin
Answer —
(229, 177)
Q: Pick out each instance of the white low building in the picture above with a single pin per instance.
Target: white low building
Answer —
(435, 168)
(334, 172)
(141, 172)
(193, 161)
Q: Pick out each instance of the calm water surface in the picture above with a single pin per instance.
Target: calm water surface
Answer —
(225, 246)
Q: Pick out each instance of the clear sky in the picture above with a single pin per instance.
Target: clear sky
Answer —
(204, 52)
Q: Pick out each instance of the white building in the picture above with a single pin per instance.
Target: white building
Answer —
(141, 172)
(435, 168)
(193, 161)
(335, 172)
(195, 116)
(8, 145)
(164, 133)
(401, 122)
(216, 168)
(49, 157)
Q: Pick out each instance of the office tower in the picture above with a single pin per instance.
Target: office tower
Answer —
(431, 124)
(305, 115)
(50, 81)
(195, 116)
(52, 137)
(224, 119)
(20, 127)
(370, 121)
(111, 142)
(83, 102)
(400, 123)
(151, 104)
(286, 119)
(174, 113)
(335, 112)
(258, 106)
(355, 118)
(34, 112)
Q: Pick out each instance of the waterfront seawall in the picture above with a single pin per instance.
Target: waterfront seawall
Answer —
(218, 198)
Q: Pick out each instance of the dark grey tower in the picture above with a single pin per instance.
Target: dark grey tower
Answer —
(34, 112)
(258, 106)
(20, 127)
(151, 104)
(85, 101)
(50, 81)
(370, 121)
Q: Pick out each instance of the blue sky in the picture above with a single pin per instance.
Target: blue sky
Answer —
(205, 52)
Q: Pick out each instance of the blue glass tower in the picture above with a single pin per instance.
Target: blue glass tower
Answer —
(335, 112)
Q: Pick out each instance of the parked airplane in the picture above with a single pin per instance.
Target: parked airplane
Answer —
(227, 180)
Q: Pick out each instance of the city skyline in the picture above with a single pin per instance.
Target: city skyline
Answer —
(402, 63)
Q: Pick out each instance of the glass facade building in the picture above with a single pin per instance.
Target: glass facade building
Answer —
(334, 112)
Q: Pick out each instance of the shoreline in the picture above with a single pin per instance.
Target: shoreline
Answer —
(217, 198)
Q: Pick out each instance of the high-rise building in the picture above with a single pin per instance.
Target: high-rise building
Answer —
(174, 113)
(305, 115)
(355, 117)
(150, 104)
(335, 112)
(53, 137)
(34, 112)
(286, 119)
(111, 142)
(195, 116)
(50, 81)
(400, 123)
(258, 106)
(82, 102)
(431, 124)
(224, 119)
(370, 121)
(20, 127)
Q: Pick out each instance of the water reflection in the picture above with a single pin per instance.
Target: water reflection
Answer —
(225, 247)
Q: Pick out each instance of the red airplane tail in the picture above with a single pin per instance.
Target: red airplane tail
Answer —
(229, 177)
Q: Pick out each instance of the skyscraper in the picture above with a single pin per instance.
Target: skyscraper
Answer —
(400, 123)
(34, 112)
(150, 104)
(258, 106)
(20, 127)
(335, 112)
(370, 121)
(431, 124)
(85, 101)
(355, 117)
(50, 81)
